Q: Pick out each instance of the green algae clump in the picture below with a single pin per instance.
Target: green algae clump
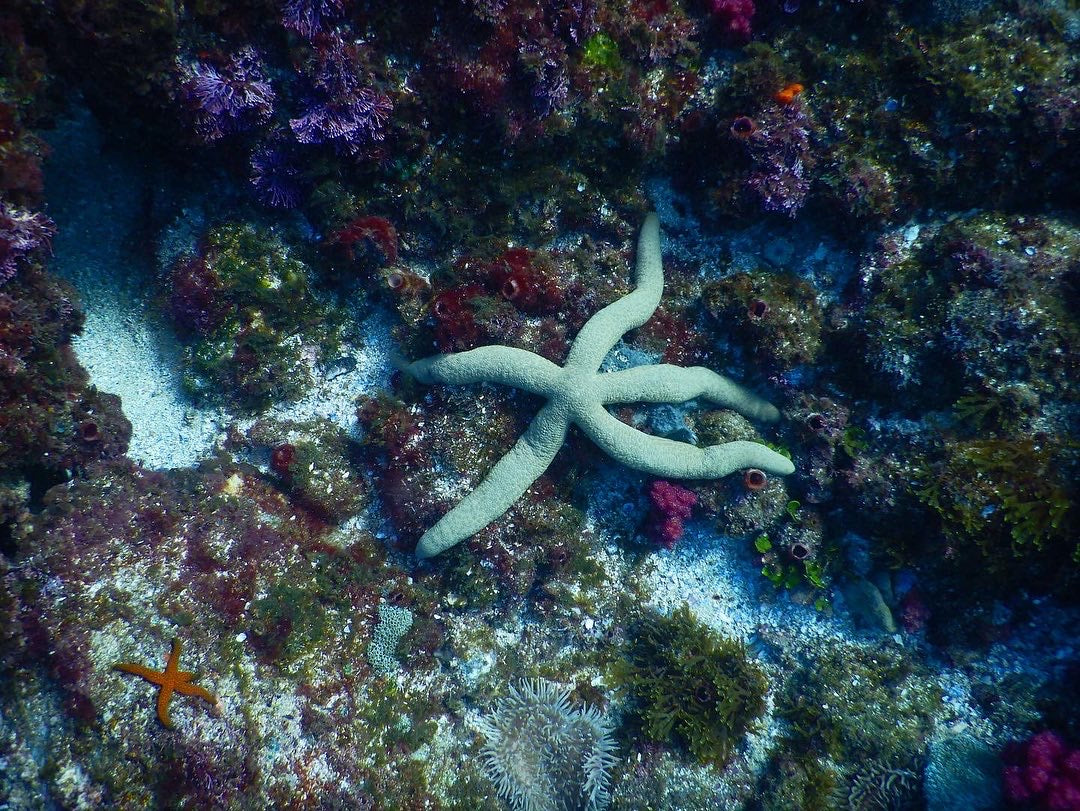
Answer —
(853, 705)
(603, 52)
(246, 303)
(1008, 498)
(691, 685)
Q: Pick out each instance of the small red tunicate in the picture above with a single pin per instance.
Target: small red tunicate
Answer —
(758, 308)
(521, 276)
(281, 457)
(799, 551)
(511, 288)
(816, 422)
(743, 127)
(457, 329)
(405, 283)
(755, 479)
(89, 431)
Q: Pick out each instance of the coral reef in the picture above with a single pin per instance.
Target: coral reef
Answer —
(1043, 772)
(870, 216)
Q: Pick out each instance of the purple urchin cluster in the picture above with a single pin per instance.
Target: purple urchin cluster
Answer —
(340, 109)
(21, 233)
(227, 95)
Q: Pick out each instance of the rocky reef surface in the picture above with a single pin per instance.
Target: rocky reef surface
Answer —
(227, 227)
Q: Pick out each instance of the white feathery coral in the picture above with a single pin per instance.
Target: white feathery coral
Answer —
(543, 754)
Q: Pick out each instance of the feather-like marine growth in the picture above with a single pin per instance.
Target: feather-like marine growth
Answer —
(544, 754)
(228, 95)
(21, 233)
(341, 109)
(309, 18)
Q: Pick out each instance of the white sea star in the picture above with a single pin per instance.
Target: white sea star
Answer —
(577, 393)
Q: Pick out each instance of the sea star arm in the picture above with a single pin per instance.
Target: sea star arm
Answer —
(189, 689)
(503, 485)
(604, 329)
(164, 696)
(138, 670)
(679, 460)
(664, 383)
(493, 364)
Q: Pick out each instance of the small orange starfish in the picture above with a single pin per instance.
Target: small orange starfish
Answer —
(169, 680)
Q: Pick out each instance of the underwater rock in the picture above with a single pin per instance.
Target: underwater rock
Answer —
(962, 774)
(867, 605)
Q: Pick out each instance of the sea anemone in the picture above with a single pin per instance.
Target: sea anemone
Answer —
(542, 753)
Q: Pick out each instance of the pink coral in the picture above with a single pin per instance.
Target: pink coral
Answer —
(734, 17)
(1043, 773)
(672, 505)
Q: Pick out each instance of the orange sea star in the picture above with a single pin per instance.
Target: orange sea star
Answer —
(169, 680)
